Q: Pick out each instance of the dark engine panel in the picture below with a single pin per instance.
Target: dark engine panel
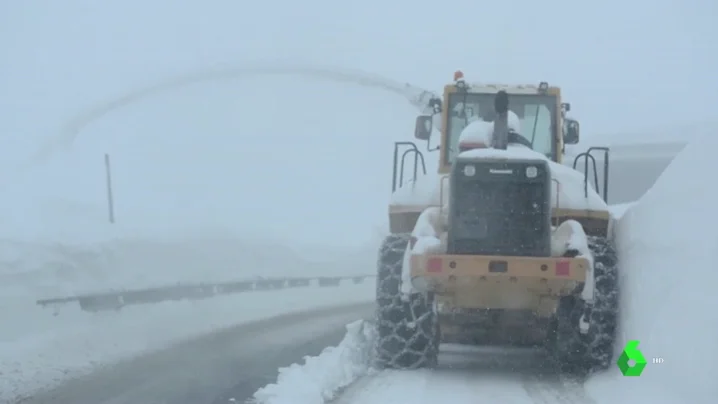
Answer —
(500, 207)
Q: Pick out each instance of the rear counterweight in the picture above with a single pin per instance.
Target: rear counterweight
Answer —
(500, 207)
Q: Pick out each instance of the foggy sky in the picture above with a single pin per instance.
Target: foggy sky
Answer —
(297, 158)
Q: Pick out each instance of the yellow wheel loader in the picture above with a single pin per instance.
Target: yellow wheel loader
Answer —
(504, 244)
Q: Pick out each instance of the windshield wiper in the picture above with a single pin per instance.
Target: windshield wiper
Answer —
(533, 133)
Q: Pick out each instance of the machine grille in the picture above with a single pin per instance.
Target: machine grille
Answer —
(500, 217)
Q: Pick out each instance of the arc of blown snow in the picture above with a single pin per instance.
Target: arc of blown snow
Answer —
(416, 96)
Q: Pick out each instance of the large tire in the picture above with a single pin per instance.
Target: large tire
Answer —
(567, 344)
(603, 316)
(582, 353)
(407, 326)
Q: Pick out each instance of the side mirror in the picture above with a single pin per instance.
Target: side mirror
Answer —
(424, 125)
(571, 134)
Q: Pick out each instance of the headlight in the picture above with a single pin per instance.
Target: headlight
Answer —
(469, 170)
(531, 171)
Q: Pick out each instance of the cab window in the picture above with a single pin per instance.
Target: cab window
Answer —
(535, 111)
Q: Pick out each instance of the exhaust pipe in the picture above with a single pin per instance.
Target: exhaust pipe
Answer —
(500, 135)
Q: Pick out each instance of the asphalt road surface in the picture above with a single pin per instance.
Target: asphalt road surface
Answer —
(231, 363)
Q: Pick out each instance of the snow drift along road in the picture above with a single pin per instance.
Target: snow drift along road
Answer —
(319, 378)
(634, 167)
(667, 244)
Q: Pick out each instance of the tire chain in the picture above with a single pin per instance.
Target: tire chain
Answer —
(605, 311)
(406, 325)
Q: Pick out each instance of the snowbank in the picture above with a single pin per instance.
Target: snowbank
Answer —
(40, 348)
(667, 244)
(634, 167)
(31, 270)
(320, 377)
(620, 209)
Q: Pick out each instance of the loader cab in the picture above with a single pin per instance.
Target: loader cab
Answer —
(543, 123)
(542, 116)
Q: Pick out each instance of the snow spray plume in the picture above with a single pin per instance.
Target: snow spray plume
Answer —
(64, 141)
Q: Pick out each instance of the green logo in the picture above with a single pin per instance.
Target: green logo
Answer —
(631, 353)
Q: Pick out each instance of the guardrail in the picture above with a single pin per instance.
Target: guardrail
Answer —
(116, 300)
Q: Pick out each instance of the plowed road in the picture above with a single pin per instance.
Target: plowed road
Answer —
(231, 363)
(469, 375)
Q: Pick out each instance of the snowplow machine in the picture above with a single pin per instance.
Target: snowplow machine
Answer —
(504, 244)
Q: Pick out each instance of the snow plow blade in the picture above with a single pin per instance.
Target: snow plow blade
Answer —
(498, 282)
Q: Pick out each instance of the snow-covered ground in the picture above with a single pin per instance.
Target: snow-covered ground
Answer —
(667, 246)
(33, 270)
(40, 347)
(270, 155)
(667, 249)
